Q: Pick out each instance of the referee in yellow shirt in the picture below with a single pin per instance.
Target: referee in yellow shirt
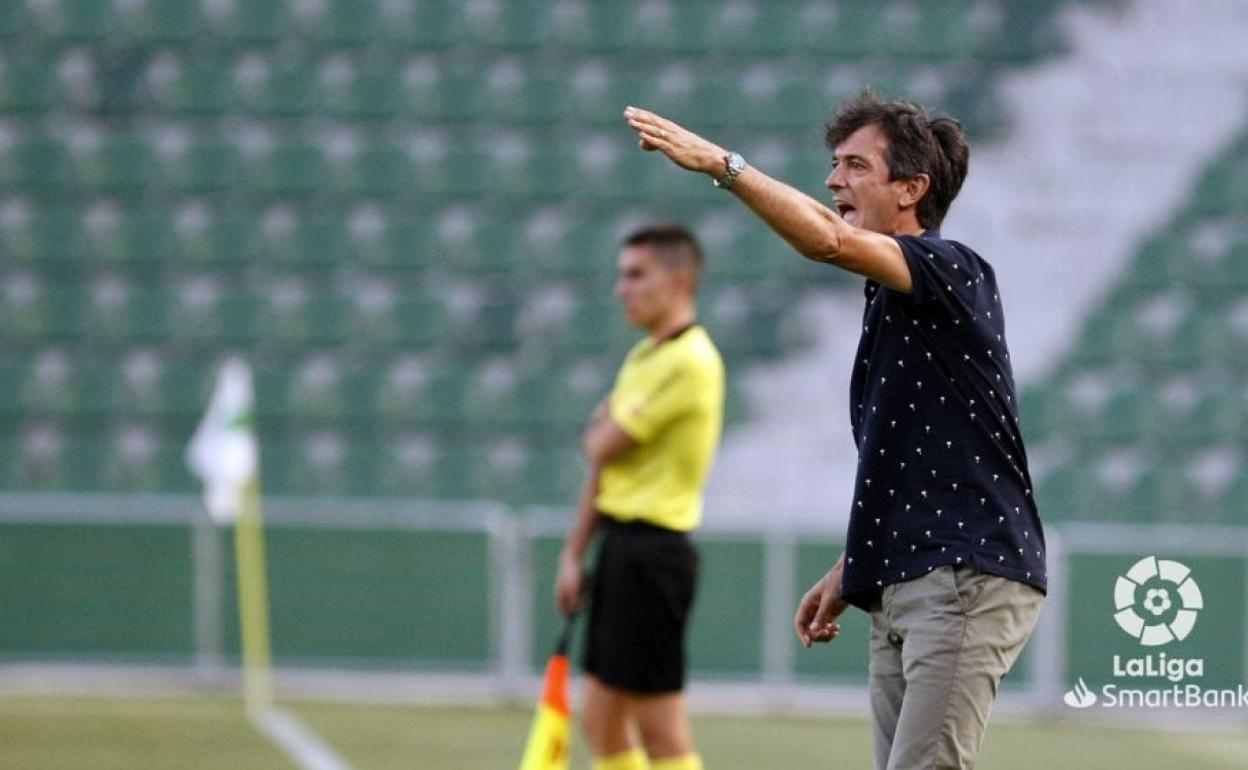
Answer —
(650, 445)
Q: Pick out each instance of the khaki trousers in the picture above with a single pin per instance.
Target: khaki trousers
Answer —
(939, 647)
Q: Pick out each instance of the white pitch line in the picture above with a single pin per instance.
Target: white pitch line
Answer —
(300, 744)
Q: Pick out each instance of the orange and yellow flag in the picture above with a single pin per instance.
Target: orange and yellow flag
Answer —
(550, 737)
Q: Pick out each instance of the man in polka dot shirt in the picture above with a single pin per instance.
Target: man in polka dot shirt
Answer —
(945, 548)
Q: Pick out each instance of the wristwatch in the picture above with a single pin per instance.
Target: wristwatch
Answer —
(734, 164)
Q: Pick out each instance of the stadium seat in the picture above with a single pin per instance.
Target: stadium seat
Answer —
(257, 23)
(296, 169)
(122, 165)
(598, 27)
(306, 239)
(345, 24)
(429, 25)
(199, 89)
(369, 95)
(379, 170)
(161, 23)
(143, 236)
(553, 474)
(37, 165)
(209, 164)
(222, 239)
(291, 92)
(28, 87)
(49, 235)
(78, 21)
(14, 20)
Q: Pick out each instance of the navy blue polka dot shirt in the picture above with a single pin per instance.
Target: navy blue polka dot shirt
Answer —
(942, 472)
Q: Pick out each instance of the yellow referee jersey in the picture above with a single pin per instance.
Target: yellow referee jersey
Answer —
(669, 397)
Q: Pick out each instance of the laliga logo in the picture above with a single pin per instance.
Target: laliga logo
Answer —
(1164, 585)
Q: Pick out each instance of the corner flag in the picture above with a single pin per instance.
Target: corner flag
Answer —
(225, 455)
(548, 745)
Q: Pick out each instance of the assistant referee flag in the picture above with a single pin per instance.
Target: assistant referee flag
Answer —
(548, 746)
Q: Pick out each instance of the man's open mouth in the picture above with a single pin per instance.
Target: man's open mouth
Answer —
(843, 208)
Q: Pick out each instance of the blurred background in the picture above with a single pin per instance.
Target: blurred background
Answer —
(405, 215)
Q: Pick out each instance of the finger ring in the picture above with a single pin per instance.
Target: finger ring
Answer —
(663, 133)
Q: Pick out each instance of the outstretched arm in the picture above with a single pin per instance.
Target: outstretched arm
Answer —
(811, 228)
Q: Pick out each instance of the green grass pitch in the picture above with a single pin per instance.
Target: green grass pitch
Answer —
(198, 733)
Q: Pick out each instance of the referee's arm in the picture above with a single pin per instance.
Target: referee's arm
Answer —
(604, 439)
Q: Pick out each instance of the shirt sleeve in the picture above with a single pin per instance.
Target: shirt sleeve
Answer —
(941, 274)
(643, 415)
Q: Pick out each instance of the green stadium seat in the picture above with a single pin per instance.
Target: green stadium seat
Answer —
(79, 21)
(14, 20)
(223, 240)
(1071, 492)
(199, 89)
(346, 24)
(480, 243)
(293, 92)
(371, 94)
(292, 169)
(28, 86)
(492, 329)
(515, 26)
(418, 324)
(598, 27)
(50, 235)
(80, 464)
(406, 242)
(429, 25)
(1234, 500)
(378, 170)
(299, 466)
(161, 23)
(56, 315)
(144, 316)
(143, 236)
(1205, 342)
(453, 92)
(943, 30)
(208, 165)
(1161, 494)
(1220, 417)
(123, 164)
(461, 472)
(1132, 415)
(553, 475)
(37, 165)
(1029, 31)
(852, 29)
(311, 239)
(257, 23)
(527, 95)
(437, 403)
(459, 172)
(597, 326)
(1109, 334)
(318, 321)
(764, 29)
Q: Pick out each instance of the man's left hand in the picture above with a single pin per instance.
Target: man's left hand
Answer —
(685, 148)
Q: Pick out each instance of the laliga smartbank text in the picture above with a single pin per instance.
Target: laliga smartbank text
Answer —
(1157, 603)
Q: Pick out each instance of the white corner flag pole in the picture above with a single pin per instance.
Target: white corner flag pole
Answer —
(225, 455)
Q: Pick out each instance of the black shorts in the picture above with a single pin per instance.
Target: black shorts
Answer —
(640, 599)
